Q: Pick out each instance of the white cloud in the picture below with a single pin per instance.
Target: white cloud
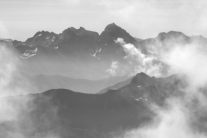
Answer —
(138, 61)
(189, 60)
(113, 68)
(120, 41)
(184, 118)
(169, 123)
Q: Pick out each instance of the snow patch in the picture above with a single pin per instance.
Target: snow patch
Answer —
(34, 39)
(29, 53)
(53, 38)
(99, 50)
(139, 99)
(95, 54)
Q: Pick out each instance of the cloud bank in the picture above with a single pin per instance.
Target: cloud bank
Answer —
(186, 114)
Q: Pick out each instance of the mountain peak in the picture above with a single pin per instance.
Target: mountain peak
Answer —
(113, 31)
(75, 30)
(142, 79)
(82, 28)
(171, 34)
(112, 26)
(39, 39)
(142, 74)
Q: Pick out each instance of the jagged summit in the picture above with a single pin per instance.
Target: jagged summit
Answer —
(79, 29)
(112, 32)
(141, 74)
(171, 34)
(41, 38)
(142, 79)
(43, 33)
(111, 27)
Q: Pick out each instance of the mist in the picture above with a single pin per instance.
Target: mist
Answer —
(137, 61)
(16, 102)
(184, 115)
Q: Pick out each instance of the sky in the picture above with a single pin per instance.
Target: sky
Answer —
(21, 19)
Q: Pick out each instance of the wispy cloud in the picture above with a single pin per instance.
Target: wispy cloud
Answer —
(138, 61)
(16, 103)
(113, 68)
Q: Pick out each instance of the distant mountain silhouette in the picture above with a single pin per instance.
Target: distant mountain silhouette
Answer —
(46, 82)
(172, 34)
(116, 86)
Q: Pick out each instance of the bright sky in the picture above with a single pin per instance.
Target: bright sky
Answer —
(20, 19)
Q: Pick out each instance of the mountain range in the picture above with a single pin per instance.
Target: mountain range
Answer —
(92, 85)
(78, 115)
(43, 82)
(84, 54)
(85, 61)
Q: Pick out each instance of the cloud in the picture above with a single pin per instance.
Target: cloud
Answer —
(16, 103)
(184, 117)
(189, 60)
(113, 68)
(170, 123)
(138, 61)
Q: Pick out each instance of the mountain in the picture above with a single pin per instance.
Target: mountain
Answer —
(73, 114)
(76, 53)
(169, 39)
(73, 40)
(85, 115)
(42, 38)
(77, 38)
(78, 59)
(172, 35)
(46, 82)
(116, 86)
(140, 80)
(83, 54)
(7, 42)
(112, 32)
